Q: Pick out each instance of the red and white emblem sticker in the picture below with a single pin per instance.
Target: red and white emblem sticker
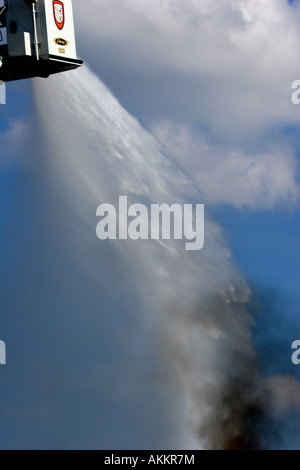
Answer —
(59, 14)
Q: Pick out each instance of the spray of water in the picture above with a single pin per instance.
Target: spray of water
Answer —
(160, 336)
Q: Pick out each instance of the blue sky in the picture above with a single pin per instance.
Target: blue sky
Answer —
(266, 247)
(195, 75)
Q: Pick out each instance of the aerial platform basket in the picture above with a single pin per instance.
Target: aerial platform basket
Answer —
(37, 38)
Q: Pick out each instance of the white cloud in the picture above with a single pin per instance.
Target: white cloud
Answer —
(225, 68)
(253, 179)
